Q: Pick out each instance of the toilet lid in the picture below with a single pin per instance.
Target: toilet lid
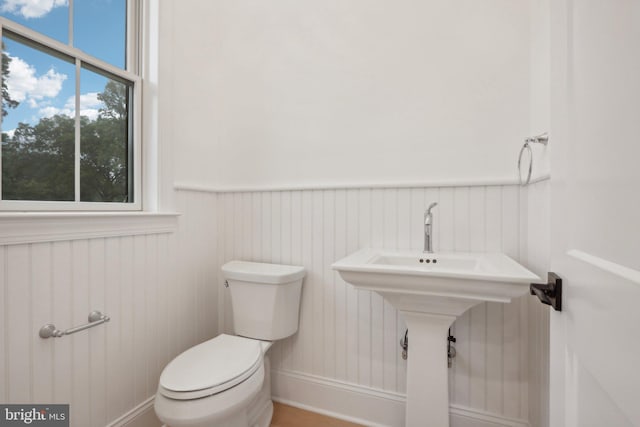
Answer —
(211, 367)
(259, 272)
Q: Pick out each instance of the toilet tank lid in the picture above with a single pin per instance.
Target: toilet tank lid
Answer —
(262, 272)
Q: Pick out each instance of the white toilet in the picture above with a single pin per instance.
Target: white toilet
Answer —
(225, 382)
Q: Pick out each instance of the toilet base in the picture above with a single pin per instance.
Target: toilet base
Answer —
(260, 410)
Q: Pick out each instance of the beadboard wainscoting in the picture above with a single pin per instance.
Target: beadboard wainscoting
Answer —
(164, 293)
(351, 337)
(158, 288)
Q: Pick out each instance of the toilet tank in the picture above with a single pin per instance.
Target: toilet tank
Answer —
(265, 298)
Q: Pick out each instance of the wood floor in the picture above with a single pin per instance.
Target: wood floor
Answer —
(288, 416)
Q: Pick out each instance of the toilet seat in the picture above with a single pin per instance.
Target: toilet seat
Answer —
(211, 367)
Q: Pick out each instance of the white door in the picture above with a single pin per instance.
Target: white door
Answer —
(595, 203)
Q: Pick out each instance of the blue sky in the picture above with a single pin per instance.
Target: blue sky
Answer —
(44, 84)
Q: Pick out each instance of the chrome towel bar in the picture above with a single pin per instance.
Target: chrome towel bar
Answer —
(95, 318)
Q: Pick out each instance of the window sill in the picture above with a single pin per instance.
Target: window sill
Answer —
(34, 227)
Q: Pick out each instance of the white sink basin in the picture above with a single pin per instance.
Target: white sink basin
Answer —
(431, 291)
(478, 276)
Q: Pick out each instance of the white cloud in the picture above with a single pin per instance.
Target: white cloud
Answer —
(31, 8)
(38, 91)
(23, 83)
(89, 106)
(9, 132)
(49, 85)
(52, 111)
(89, 100)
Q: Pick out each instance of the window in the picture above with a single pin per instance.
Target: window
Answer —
(70, 117)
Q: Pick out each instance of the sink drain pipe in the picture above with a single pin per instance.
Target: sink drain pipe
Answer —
(451, 350)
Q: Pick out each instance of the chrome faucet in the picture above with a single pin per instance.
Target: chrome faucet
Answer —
(428, 231)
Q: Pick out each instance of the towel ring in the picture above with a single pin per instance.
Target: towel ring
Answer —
(540, 139)
(528, 147)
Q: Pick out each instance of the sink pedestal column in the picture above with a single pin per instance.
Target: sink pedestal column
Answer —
(428, 317)
(427, 372)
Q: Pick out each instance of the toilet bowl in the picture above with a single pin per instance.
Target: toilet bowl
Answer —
(225, 381)
(216, 383)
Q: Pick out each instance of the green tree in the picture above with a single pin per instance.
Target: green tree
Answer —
(38, 161)
(115, 102)
(104, 161)
(7, 101)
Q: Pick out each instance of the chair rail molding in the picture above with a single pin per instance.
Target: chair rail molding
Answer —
(479, 182)
(35, 227)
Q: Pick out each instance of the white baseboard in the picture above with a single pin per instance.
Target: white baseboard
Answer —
(338, 400)
(140, 416)
(462, 416)
(362, 405)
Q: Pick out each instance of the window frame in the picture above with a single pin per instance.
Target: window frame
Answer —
(130, 74)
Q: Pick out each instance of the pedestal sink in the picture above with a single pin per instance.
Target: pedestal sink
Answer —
(431, 291)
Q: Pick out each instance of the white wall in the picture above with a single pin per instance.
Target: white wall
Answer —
(349, 338)
(346, 92)
(540, 82)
